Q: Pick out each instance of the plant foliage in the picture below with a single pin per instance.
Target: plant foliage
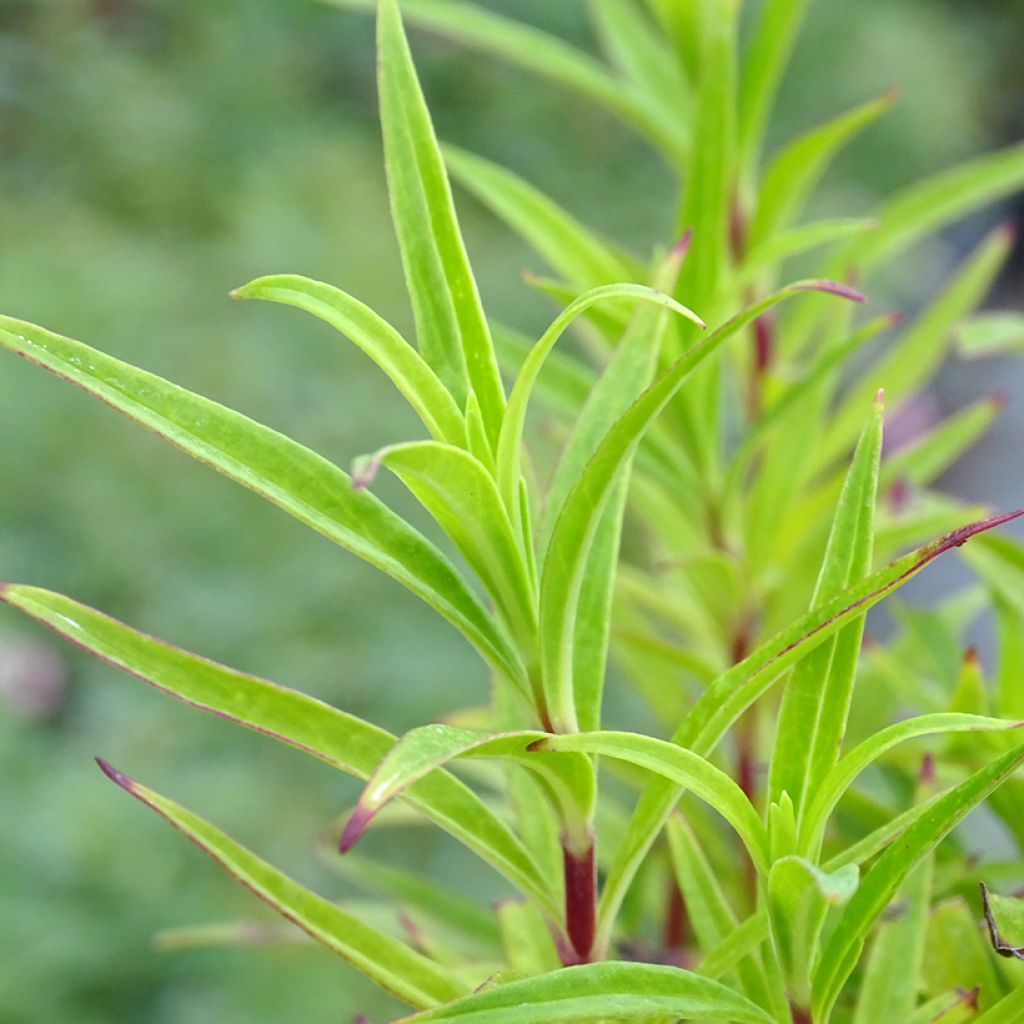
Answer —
(711, 421)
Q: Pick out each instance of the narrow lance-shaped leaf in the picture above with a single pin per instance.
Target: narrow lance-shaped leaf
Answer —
(724, 700)
(843, 948)
(461, 495)
(799, 896)
(420, 751)
(546, 56)
(763, 67)
(816, 701)
(687, 770)
(394, 966)
(406, 368)
(580, 515)
(572, 250)
(450, 325)
(912, 359)
(830, 789)
(629, 371)
(297, 480)
(795, 171)
(622, 991)
(333, 736)
(514, 421)
(924, 460)
(708, 909)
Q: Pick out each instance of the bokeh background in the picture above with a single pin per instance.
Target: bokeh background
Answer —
(153, 155)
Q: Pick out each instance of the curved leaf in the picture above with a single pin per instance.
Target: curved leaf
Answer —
(511, 438)
(406, 368)
(843, 948)
(333, 736)
(724, 700)
(685, 769)
(422, 750)
(461, 495)
(394, 966)
(599, 991)
(297, 480)
(832, 787)
(571, 249)
(580, 514)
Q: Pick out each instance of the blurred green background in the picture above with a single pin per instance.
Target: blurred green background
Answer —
(156, 154)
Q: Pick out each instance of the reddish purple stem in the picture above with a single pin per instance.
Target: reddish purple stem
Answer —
(580, 899)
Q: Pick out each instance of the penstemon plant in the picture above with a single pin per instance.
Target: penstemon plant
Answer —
(715, 514)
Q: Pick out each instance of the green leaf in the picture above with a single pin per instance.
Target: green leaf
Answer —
(927, 458)
(793, 174)
(461, 495)
(685, 769)
(913, 359)
(571, 249)
(580, 515)
(544, 55)
(511, 439)
(926, 206)
(420, 751)
(592, 992)
(799, 898)
(991, 334)
(891, 977)
(763, 67)
(407, 370)
(816, 701)
(956, 955)
(407, 889)
(831, 788)
(784, 245)
(843, 948)
(339, 739)
(708, 910)
(450, 325)
(529, 945)
(724, 700)
(297, 480)
(1009, 1009)
(1004, 916)
(391, 964)
(643, 55)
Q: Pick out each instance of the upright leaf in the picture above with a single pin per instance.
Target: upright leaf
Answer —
(816, 701)
(450, 325)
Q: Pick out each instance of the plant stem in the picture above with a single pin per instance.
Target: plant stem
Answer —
(800, 1016)
(580, 900)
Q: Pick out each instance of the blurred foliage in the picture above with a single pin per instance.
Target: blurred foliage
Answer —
(153, 150)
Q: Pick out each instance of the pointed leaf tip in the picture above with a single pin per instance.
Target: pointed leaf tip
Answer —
(843, 291)
(682, 246)
(355, 827)
(896, 319)
(998, 400)
(364, 471)
(114, 775)
(960, 536)
(880, 398)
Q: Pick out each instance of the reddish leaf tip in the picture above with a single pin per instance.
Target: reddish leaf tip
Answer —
(842, 291)
(927, 773)
(682, 246)
(892, 94)
(896, 319)
(998, 400)
(1010, 231)
(364, 471)
(354, 827)
(114, 775)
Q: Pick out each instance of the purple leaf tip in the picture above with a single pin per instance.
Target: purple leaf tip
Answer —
(843, 291)
(1011, 229)
(682, 246)
(364, 471)
(896, 320)
(114, 775)
(927, 773)
(354, 827)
